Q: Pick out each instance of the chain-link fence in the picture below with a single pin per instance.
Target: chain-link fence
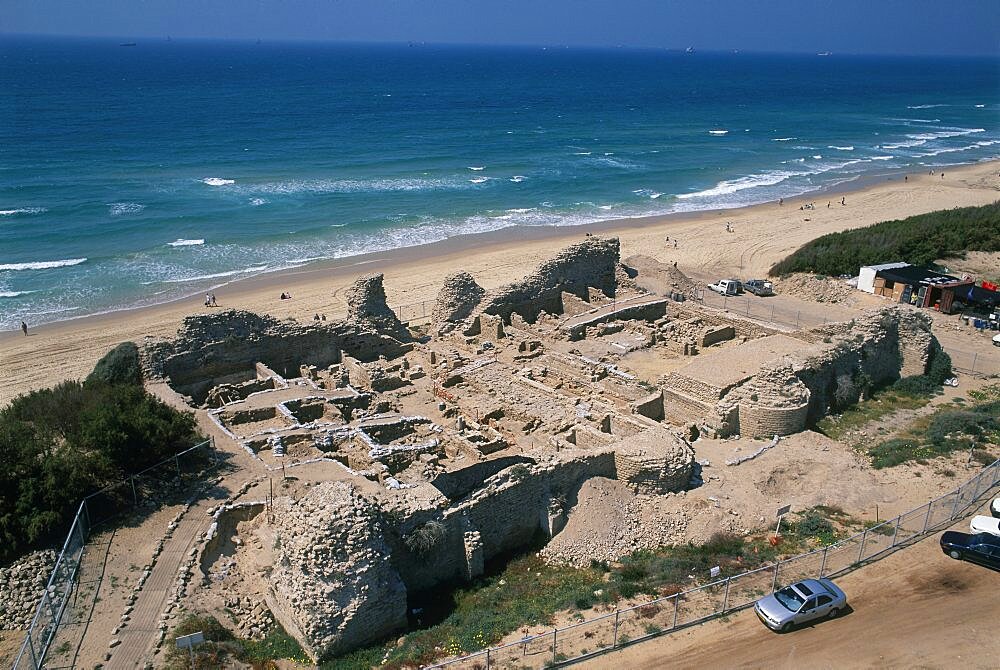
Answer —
(663, 615)
(146, 489)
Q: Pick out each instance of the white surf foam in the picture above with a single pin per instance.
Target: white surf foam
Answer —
(904, 145)
(297, 186)
(42, 265)
(943, 134)
(13, 294)
(185, 243)
(925, 106)
(817, 157)
(783, 139)
(834, 146)
(478, 168)
(882, 158)
(217, 181)
(479, 180)
(980, 106)
(124, 208)
(729, 186)
(22, 210)
(582, 153)
(517, 179)
(257, 202)
(217, 275)
(718, 132)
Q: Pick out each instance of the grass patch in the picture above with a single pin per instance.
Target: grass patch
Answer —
(221, 647)
(882, 404)
(947, 430)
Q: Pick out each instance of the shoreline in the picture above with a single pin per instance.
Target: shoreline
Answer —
(464, 241)
(764, 234)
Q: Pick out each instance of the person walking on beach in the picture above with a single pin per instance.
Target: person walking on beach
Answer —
(843, 200)
(828, 204)
(781, 201)
(24, 328)
(214, 304)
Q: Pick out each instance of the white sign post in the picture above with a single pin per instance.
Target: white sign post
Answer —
(189, 641)
(714, 572)
(781, 512)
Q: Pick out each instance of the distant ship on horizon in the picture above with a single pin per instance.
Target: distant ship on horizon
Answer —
(824, 53)
(127, 44)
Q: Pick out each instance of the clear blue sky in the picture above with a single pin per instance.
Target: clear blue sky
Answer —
(843, 26)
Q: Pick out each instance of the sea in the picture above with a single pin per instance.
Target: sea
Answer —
(136, 174)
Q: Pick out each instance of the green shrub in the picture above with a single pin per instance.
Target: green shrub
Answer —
(62, 443)
(919, 240)
(939, 368)
(917, 386)
(119, 366)
(812, 525)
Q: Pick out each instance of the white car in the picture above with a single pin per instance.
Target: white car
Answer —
(995, 508)
(996, 340)
(985, 524)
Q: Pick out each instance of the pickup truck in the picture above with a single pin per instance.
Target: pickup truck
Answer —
(727, 287)
(759, 287)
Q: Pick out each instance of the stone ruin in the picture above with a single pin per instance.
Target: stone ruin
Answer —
(417, 462)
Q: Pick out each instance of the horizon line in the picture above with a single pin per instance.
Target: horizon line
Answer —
(167, 38)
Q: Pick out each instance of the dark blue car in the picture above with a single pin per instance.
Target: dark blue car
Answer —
(982, 549)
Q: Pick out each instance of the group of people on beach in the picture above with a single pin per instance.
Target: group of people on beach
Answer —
(210, 300)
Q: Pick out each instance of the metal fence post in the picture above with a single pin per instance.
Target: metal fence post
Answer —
(617, 614)
(822, 567)
(555, 641)
(895, 532)
(774, 582)
(487, 658)
(927, 518)
(676, 605)
(177, 462)
(725, 598)
(135, 498)
(861, 551)
(954, 508)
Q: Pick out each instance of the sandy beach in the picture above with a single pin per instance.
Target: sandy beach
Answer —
(763, 234)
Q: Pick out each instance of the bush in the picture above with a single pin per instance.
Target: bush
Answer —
(939, 368)
(812, 525)
(119, 366)
(422, 540)
(917, 386)
(919, 240)
(62, 443)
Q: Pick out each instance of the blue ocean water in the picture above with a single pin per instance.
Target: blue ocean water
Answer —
(131, 175)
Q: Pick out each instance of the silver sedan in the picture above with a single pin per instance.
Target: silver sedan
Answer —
(803, 601)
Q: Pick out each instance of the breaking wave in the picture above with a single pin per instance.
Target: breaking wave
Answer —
(217, 181)
(42, 265)
(185, 243)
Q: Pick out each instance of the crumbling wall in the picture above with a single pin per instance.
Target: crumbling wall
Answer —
(332, 582)
(367, 306)
(227, 346)
(590, 263)
(458, 296)
(654, 462)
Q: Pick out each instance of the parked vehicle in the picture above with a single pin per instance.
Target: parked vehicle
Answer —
(727, 287)
(996, 340)
(995, 508)
(981, 549)
(759, 287)
(803, 601)
(985, 524)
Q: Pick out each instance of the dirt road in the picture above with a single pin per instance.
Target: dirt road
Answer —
(914, 609)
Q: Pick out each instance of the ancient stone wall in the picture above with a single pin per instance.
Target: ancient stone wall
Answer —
(332, 582)
(367, 306)
(756, 420)
(591, 263)
(226, 346)
(457, 298)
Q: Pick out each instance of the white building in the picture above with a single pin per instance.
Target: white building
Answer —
(866, 278)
